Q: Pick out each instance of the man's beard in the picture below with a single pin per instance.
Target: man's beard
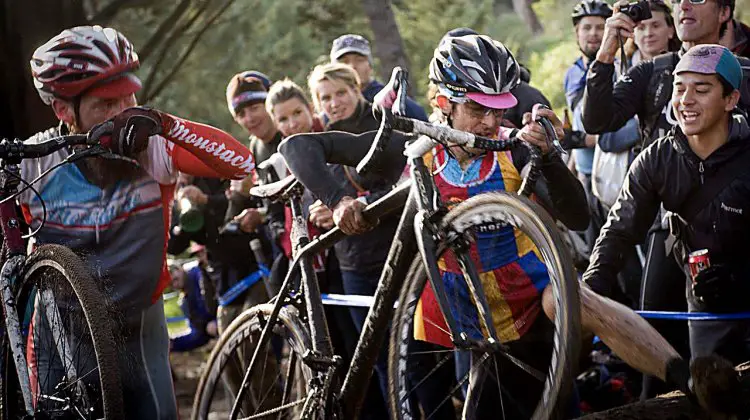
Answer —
(107, 172)
(589, 54)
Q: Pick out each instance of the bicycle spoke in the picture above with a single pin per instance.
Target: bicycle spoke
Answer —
(432, 352)
(291, 365)
(437, 366)
(499, 387)
(525, 366)
(438, 327)
(453, 390)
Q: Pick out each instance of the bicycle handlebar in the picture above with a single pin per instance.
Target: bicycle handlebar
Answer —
(434, 134)
(16, 149)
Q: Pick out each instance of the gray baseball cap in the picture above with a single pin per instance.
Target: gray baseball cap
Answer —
(350, 43)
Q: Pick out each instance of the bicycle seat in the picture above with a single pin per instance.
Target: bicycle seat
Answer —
(278, 190)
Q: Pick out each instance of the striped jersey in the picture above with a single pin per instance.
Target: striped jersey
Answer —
(509, 265)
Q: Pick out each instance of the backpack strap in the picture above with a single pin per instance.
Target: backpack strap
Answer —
(744, 104)
(361, 191)
(661, 78)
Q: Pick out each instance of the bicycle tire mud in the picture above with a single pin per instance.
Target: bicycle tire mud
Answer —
(95, 310)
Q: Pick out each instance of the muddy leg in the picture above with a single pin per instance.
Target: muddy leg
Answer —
(628, 335)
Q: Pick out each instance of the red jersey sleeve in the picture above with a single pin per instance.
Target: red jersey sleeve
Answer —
(202, 150)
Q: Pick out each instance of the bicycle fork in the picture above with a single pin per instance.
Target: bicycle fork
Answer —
(13, 325)
(424, 230)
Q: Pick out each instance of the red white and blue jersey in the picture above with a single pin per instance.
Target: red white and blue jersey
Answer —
(509, 265)
(120, 230)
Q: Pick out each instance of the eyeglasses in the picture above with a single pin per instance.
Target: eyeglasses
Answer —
(478, 111)
(677, 2)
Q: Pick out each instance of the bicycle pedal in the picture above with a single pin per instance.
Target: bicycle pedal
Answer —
(319, 362)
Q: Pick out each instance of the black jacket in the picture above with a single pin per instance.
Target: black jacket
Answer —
(607, 108)
(668, 171)
(367, 251)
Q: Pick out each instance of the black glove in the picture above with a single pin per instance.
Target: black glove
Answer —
(718, 288)
(128, 132)
(573, 139)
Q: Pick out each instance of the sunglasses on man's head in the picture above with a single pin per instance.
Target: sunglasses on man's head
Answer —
(676, 2)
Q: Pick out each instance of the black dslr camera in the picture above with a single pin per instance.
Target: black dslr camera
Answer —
(637, 10)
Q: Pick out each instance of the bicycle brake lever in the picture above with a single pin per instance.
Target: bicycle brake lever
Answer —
(551, 136)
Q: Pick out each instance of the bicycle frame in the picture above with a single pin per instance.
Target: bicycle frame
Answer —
(417, 229)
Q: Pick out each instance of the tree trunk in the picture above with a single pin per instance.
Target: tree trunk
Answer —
(24, 26)
(389, 47)
(523, 8)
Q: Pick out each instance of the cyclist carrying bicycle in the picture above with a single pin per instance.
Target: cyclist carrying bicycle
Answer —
(474, 75)
(114, 213)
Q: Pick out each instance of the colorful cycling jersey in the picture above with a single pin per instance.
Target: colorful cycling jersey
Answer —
(121, 230)
(510, 269)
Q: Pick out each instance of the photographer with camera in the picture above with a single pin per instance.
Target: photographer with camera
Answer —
(588, 18)
(646, 88)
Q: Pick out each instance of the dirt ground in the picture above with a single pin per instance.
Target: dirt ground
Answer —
(674, 406)
(187, 369)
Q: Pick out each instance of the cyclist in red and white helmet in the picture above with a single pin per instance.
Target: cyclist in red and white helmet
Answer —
(112, 212)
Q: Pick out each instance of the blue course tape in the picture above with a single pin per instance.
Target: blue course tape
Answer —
(173, 319)
(244, 284)
(693, 316)
(362, 301)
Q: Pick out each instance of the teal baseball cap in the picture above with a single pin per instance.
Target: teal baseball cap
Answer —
(712, 59)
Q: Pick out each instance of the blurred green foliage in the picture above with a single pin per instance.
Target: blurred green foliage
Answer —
(286, 38)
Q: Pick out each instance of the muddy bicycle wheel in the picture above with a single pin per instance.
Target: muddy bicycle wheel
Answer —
(278, 388)
(68, 342)
(432, 378)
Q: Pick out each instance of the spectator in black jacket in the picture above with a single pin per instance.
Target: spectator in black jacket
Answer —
(737, 38)
(645, 91)
(709, 149)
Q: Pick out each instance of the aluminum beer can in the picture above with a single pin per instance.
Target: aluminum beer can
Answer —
(698, 261)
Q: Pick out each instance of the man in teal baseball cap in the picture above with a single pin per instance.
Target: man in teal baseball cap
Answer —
(700, 172)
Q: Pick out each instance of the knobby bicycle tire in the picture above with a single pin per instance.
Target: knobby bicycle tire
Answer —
(248, 325)
(530, 218)
(59, 263)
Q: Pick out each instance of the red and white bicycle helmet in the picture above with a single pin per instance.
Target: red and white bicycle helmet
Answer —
(85, 59)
